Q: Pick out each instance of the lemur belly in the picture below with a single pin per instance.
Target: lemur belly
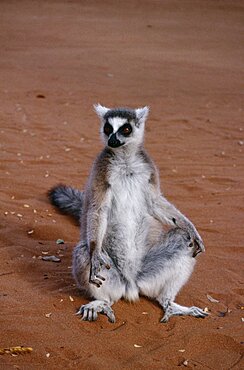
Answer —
(129, 222)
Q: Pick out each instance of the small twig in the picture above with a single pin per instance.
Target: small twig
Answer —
(235, 363)
(119, 326)
(6, 273)
(201, 363)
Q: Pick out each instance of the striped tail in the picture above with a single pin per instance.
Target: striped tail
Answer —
(67, 199)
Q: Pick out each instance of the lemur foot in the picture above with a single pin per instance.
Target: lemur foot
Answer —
(90, 311)
(97, 261)
(174, 309)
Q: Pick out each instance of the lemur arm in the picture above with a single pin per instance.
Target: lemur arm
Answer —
(165, 212)
(97, 219)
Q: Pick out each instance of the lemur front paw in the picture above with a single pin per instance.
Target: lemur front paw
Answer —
(195, 240)
(196, 243)
(97, 261)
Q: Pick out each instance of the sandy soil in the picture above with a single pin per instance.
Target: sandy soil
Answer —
(185, 60)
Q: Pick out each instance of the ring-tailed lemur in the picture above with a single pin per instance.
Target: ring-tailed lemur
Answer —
(124, 250)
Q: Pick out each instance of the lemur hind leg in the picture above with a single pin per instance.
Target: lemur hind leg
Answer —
(105, 295)
(166, 268)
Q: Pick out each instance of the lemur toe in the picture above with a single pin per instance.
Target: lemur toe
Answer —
(89, 315)
(96, 280)
(111, 317)
(198, 312)
(164, 319)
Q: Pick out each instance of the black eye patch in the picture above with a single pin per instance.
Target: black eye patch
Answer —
(107, 129)
(125, 130)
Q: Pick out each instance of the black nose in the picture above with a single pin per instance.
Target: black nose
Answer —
(114, 142)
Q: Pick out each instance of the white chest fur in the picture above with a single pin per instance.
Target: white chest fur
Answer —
(128, 178)
(128, 218)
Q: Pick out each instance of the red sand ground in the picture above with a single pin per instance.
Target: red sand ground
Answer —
(185, 60)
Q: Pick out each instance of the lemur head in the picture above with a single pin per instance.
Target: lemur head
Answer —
(122, 126)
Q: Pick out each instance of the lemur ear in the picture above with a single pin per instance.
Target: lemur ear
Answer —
(141, 115)
(100, 110)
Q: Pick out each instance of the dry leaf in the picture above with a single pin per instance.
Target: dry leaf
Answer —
(211, 299)
(14, 351)
(51, 258)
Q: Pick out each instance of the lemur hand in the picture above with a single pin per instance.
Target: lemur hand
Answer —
(97, 261)
(196, 241)
(198, 246)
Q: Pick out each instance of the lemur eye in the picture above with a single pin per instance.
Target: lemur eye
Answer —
(126, 129)
(107, 129)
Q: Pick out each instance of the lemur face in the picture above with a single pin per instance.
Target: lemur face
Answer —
(117, 130)
(122, 126)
